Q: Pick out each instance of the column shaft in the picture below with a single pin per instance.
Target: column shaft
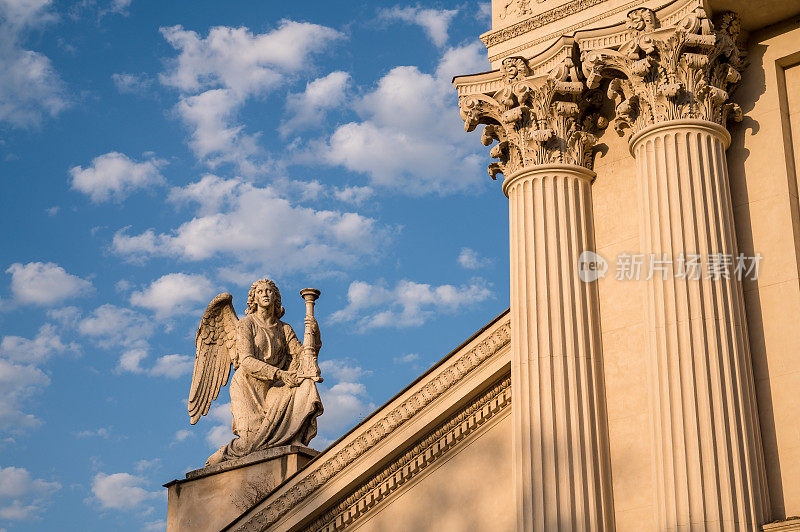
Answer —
(561, 472)
(707, 446)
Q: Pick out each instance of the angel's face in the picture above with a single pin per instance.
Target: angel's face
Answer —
(264, 295)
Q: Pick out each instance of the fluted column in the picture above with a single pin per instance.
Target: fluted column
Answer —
(560, 460)
(709, 464)
(673, 94)
(542, 126)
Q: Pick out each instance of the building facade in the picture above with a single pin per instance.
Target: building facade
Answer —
(647, 374)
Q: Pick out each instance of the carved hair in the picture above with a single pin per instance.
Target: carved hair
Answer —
(276, 295)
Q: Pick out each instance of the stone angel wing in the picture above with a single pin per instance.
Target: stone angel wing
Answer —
(215, 344)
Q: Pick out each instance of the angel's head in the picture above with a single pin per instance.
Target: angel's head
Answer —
(264, 292)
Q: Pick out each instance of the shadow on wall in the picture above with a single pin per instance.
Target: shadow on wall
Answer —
(754, 86)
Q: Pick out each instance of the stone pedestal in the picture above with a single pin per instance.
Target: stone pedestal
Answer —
(707, 447)
(212, 497)
(560, 457)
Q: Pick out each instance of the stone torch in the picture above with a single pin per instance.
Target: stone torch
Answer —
(309, 368)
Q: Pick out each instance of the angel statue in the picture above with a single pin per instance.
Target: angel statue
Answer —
(274, 397)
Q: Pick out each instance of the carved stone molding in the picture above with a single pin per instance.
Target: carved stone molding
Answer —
(428, 450)
(447, 375)
(522, 8)
(685, 71)
(536, 120)
(569, 30)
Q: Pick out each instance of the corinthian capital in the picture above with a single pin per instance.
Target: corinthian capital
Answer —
(665, 73)
(535, 119)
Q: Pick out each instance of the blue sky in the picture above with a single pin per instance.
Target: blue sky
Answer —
(154, 154)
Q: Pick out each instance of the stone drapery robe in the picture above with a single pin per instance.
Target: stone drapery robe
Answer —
(267, 412)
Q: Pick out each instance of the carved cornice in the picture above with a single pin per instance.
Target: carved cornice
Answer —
(428, 450)
(446, 376)
(537, 21)
(536, 119)
(666, 73)
(566, 31)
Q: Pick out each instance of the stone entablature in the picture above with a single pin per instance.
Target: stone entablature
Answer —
(410, 419)
(529, 27)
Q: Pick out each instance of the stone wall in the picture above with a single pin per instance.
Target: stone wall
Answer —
(470, 489)
(763, 161)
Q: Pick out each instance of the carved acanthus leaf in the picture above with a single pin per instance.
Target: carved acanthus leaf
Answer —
(685, 71)
(536, 119)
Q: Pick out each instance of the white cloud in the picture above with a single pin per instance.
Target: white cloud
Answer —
(144, 465)
(127, 83)
(343, 369)
(262, 229)
(304, 190)
(172, 366)
(29, 86)
(468, 258)
(21, 14)
(123, 285)
(354, 194)
(121, 491)
(120, 6)
(181, 435)
(21, 379)
(66, 316)
(220, 433)
(308, 108)
(23, 498)
(211, 194)
(217, 74)
(18, 382)
(111, 326)
(236, 58)
(102, 432)
(159, 525)
(114, 176)
(221, 413)
(408, 304)
(346, 401)
(435, 22)
(115, 326)
(468, 59)
(485, 10)
(406, 359)
(45, 283)
(129, 331)
(174, 293)
(46, 343)
(411, 138)
(130, 360)
(214, 137)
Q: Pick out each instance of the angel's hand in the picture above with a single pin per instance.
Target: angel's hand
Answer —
(289, 378)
